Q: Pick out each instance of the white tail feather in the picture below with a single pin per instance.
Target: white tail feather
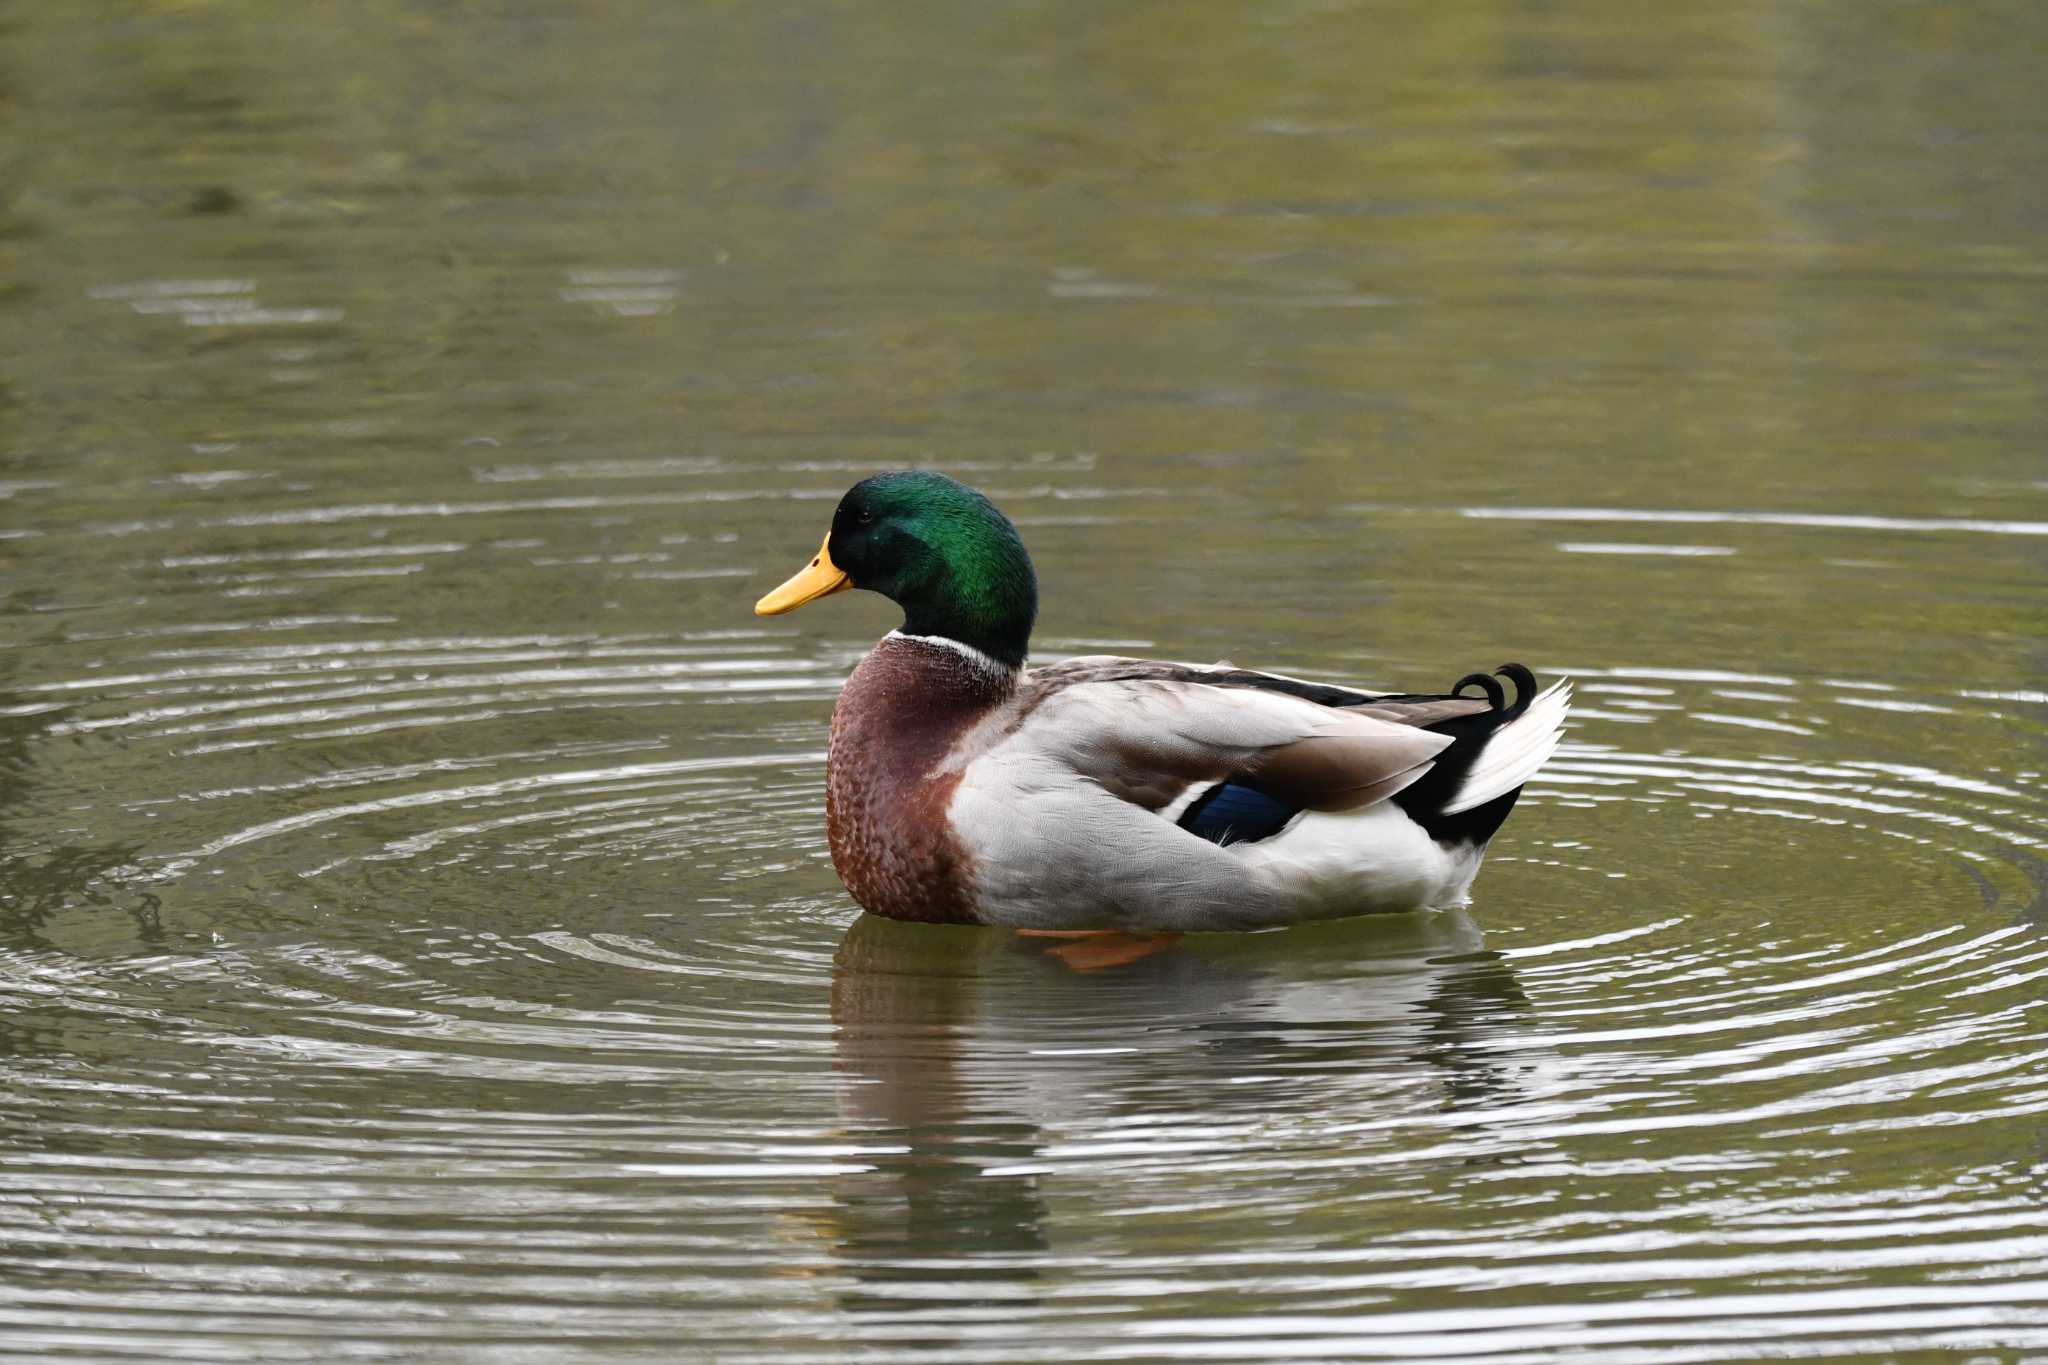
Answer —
(1516, 750)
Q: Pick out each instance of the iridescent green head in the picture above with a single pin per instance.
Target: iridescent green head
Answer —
(936, 548)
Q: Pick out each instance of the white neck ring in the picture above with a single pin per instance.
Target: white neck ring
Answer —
(987, 663)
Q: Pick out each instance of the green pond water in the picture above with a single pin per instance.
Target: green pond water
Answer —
(417, 939)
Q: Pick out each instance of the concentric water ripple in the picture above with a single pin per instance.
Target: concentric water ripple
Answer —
(456, 1057)
(417, 939)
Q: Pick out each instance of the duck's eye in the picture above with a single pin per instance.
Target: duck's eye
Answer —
(864, 516)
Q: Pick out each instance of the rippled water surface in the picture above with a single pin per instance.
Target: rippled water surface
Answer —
(417, 940)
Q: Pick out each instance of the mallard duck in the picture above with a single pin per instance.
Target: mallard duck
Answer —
(1113, 793)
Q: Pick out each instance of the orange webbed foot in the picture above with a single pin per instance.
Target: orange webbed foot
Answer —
(1093, 950)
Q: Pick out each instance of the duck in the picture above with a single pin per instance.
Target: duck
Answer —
(1111, 794)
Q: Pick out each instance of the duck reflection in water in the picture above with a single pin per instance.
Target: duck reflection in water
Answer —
(969, 1058)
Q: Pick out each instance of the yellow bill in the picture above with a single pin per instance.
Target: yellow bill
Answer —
(819, 578)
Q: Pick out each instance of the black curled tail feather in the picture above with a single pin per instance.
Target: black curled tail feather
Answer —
(1496, 696)
(1525, 687)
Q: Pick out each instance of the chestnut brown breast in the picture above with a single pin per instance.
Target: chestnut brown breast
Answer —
(905, 707)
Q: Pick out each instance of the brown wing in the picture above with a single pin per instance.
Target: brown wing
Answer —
(1147, 739)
